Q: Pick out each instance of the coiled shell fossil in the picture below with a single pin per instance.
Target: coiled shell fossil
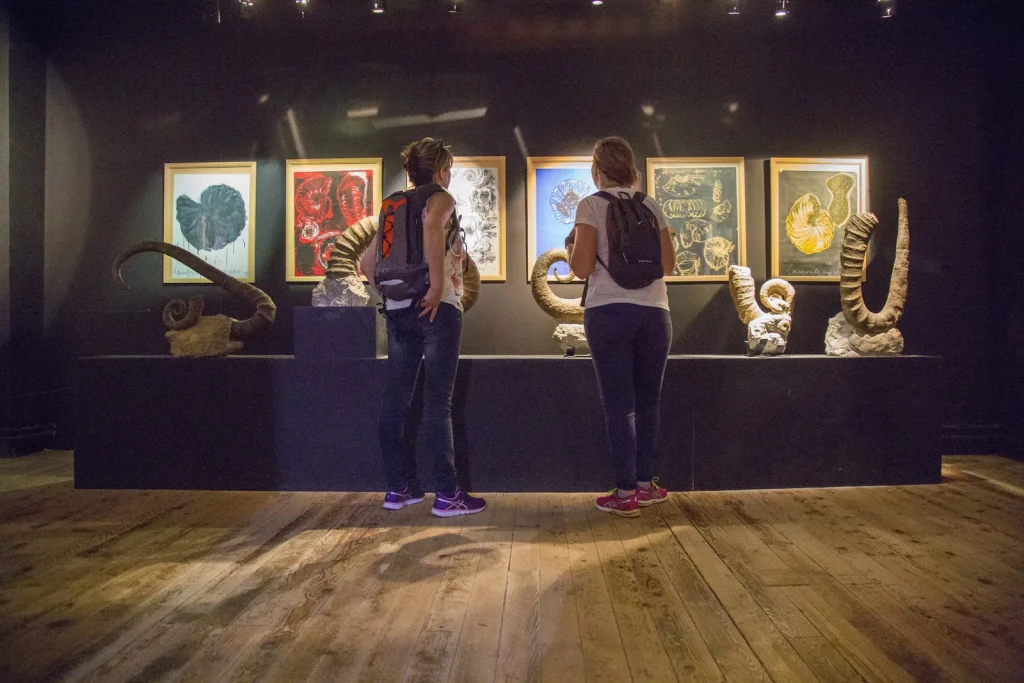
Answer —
(566, 197)
(687, 263)
(717, 252)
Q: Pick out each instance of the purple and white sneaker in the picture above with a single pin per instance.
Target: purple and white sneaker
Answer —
(410, 495)
(460, 504)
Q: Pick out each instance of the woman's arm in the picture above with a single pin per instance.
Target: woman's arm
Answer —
(439, 209)
(583, 257)
(668, 252)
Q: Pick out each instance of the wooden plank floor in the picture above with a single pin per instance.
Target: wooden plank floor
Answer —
(873, 584)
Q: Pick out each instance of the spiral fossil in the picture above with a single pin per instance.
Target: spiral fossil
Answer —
(350, 245)
(562, 310)
(717, 252)
(566, 197)
(810, 229)
(855, 245)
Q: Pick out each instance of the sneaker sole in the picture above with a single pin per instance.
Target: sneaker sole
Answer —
(454, 513)
(399, 506)
(620, 513)
(654, 501)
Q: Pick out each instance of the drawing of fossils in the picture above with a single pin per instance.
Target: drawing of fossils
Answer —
(687, 263)
(808, 227)
(684, 208)
(840, 185)
(716, 193)
(684, 185)
(700, 230)
(566, 197)
(721, 212)
(717, 251)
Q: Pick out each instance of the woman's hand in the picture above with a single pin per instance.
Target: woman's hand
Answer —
(430, 302)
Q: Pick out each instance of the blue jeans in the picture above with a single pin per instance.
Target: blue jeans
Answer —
(629, 345)
(412, 339)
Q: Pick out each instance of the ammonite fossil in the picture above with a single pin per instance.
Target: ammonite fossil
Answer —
(717, 251)
(215, 221)
(684, 208)
(566, 197)
(687, 263)
(313, 199)
(722, 211)
(699, 229)
(840, 186)
(810, 229)
(352, 198)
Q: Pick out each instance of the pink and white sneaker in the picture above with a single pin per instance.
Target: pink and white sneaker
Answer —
(626, 507)
(651, 496)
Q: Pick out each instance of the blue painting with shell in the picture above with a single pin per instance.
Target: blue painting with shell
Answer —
(559, 191)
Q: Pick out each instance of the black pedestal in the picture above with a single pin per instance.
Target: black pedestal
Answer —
(521, 423)
(338, 332)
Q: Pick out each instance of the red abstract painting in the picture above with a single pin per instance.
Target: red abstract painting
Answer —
(325, 204)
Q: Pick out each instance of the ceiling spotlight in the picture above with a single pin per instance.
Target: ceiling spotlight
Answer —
(453, 8)
(377, 6)
(734, 7)
(888, 8)
(782, 8)
(247, 8)
(596, 2)
(303, 8)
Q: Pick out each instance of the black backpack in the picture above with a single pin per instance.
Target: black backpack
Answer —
(634, 241)
(402, 271)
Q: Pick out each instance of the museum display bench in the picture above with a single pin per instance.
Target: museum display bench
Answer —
(522, 423)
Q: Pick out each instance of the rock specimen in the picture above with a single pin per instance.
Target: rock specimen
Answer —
(189, 331)
(568, 313)
(767, 332)
(865, 333)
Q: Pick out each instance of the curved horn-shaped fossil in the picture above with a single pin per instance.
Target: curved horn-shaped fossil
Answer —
(855, 245)
(241, 330)
(562, 310)
(470, 283)
(349, 248)
(777, 295)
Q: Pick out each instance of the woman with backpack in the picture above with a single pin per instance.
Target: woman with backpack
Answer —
(621, 245)
(421, 285)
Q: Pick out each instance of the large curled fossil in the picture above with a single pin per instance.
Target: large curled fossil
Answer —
(562, 310)
(767, 331)
(855, 246)
(190, 333)
(351, 244)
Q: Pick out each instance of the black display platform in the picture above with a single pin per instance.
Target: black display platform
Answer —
(521, 423)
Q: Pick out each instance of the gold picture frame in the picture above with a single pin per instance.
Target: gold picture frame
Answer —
(480, 203)
(188, 189)
(704, 203)
(562, 181)
(806, 233)
(323, 214)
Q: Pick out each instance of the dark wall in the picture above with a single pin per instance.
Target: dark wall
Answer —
(129, 90)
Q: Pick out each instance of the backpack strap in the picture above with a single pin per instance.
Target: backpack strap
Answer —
(639, 196)
(605, 195)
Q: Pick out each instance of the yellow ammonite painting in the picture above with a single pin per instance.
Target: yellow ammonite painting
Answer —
(808, 227)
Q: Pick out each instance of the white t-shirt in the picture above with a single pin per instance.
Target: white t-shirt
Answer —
(601, 288)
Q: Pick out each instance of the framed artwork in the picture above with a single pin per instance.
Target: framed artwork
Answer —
(209, 209)
(554, 188)
(323, 198)
(478, 185)
(811, 199)
(703, 200)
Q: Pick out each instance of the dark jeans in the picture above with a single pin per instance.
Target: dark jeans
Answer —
(629, 344)
(412, 339)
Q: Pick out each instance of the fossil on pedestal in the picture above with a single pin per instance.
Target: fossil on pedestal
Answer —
(568, 313)
(767, 332)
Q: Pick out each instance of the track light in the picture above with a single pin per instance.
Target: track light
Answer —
(377, 6)
(597, 2)
(734, 7)
(303, 8)
(247, 8)
(453, 8)
(782, 8)
(888, 8)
